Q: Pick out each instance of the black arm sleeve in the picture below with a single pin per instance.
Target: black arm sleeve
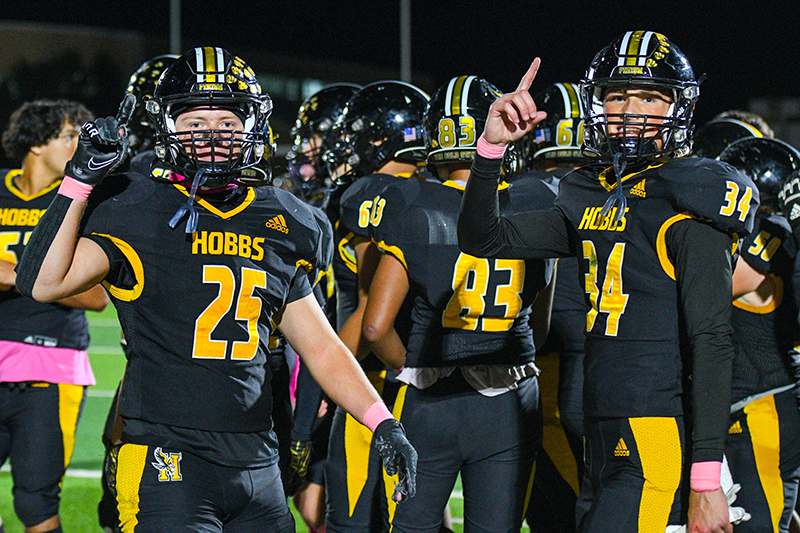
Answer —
(39, 244)
(482, 232)
(702, 258)
(309, 396)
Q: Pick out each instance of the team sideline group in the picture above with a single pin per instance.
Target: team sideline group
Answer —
(571, 297)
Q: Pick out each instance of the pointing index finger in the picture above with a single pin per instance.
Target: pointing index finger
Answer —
(527, 79)
(126, 109)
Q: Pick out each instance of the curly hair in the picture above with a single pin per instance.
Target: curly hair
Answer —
(36, 122)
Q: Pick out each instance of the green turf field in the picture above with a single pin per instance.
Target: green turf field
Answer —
(81, 490)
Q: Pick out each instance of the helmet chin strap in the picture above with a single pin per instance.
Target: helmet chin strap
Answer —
(191, 224)
(617, 197)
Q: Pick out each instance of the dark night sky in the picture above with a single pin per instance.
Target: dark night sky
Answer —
(747, 50)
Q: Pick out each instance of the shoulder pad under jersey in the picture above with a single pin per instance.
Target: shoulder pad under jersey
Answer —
(326, 242)
(309, 242)
(392, 210)
(713, 191)
(355, 205)
(770, 241)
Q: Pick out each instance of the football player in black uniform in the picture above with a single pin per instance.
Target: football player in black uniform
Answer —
(552, 150)
(763, 444)
(201, 266)
(44, 367)
(471, 396)
(309, 432)
(376, 141)
(653, 233)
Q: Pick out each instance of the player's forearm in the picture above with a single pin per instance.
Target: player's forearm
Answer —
(8, 278)
(390, 349)
(478, 232)
(95, 299)
(350, 333)
(703, 271)
(330, 362)
(483, 232)
(343, 380)
(45, 265)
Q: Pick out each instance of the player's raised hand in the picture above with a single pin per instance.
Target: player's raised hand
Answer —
(514, 114)
(102, 145)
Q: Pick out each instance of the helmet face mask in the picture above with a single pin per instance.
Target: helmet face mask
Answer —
(207, 79)
(643, 61)
(315, 119)
(382, 122)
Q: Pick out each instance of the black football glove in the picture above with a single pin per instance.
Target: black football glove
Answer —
(102, 145)
(399, 457)
(299, 459)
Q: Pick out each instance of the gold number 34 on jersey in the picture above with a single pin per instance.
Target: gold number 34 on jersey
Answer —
(733, 203)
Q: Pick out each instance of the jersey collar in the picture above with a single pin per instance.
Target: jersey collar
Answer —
(608, 181)
(461, 185)
(238, 208)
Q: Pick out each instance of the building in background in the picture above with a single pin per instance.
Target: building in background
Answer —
(92, 65)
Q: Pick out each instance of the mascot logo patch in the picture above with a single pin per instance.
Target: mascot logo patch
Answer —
(168, 465)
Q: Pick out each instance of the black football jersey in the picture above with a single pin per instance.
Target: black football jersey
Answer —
(196, 309)
(323, 281)
(633, 330)
(763, 335)
(356, 207)
(24, 320)
(569, 304)
(355, 210)
(466, 310)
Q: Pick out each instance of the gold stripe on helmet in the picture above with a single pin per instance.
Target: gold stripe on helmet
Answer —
(209, 64)
(456, 94)
(571, 92)
(634, 45)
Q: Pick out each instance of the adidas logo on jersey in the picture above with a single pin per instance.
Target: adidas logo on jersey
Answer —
(278, 223)
(795, 212)
(638, 189)
(621, 450)
(736, 428)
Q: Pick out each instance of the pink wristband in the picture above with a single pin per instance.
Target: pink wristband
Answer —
(490, 151)
(77, 190)
(705, 476)
(376, 414)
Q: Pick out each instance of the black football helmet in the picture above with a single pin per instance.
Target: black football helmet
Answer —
(210, 77)
(559, 137)
(380, 123)
(713, 137)
(768, 162)
(640, 59)
(141, 132)
(454, 119)
(315, 119)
